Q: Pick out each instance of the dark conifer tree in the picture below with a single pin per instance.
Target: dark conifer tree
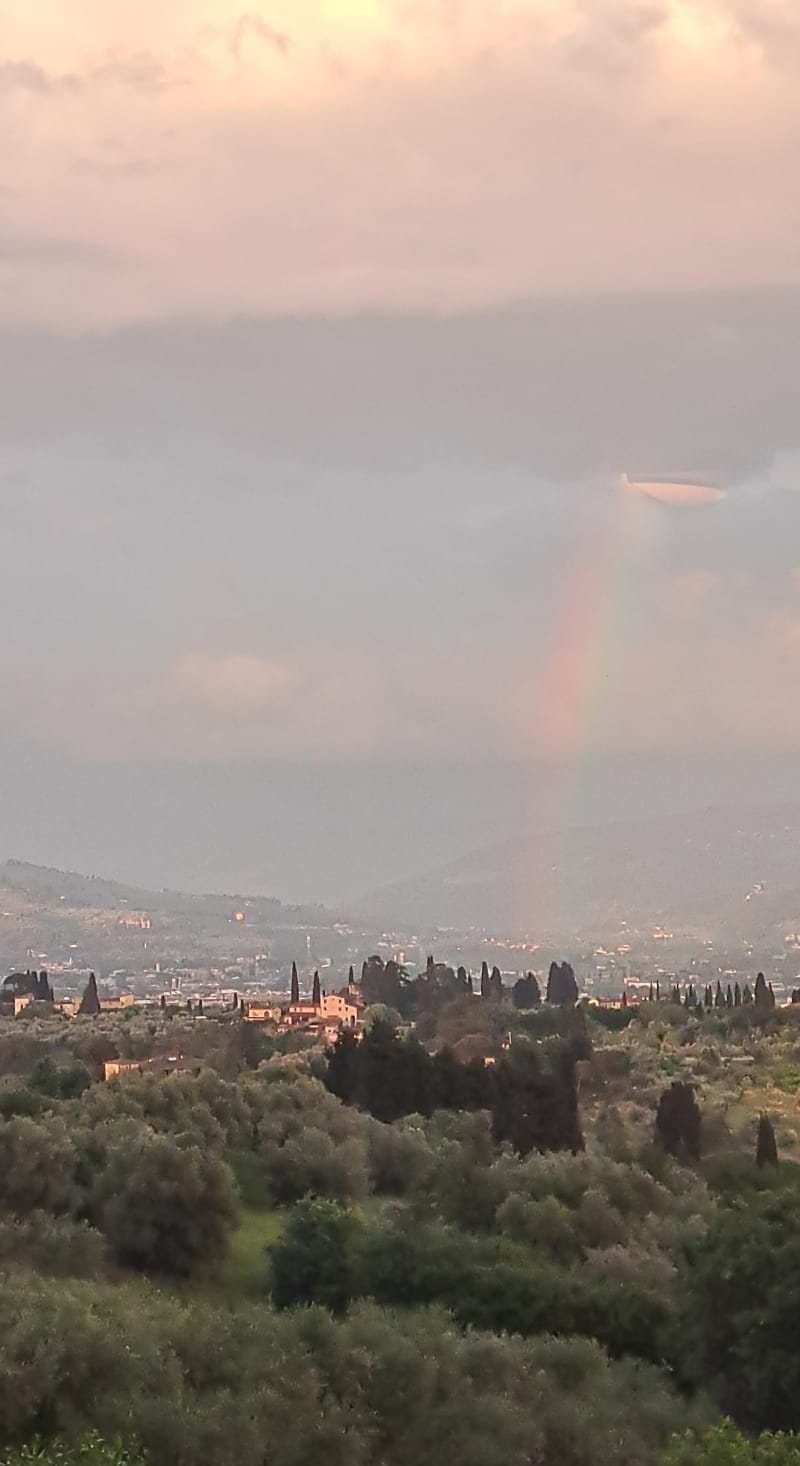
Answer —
(162, 1002)
(737, 996)
(718, 999)
(658, 991)
(562, 989)
(678, 1122)
(351, 977)
(343, 1068)
(771, 997)
(294, 995)
(484, 979)
(90, 1002)
(766, 1144)
(526, 993)
(729, 996)
(316, 992)
(188, 1005)
(747, 996)
(650, 994)
(761, 995)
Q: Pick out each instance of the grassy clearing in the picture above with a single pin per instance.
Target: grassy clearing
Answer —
(245, 1274)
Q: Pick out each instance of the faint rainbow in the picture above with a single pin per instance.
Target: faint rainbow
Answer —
(580, 678)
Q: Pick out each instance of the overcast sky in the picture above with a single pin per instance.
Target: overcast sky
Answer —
(327, 329)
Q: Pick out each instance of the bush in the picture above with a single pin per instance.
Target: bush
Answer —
(724, 1445)
(165, 1208)
(88, 1450)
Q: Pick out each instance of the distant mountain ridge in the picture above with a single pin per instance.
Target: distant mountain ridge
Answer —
(46, 884)
(108, 925)
(715, 872)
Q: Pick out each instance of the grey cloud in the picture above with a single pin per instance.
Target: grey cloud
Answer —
(50, 250)
(116, 167)
(140, 71)
(772, 25)
(252, 24)
(565, 389)
(29, 76)
(610, 38)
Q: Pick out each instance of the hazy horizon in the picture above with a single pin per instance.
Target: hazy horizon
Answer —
(256, 830)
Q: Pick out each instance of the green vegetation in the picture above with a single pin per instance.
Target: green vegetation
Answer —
(585, 1250)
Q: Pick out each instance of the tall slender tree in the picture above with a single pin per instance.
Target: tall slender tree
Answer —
(766, 1144)
(90, 1002)
(295, 987)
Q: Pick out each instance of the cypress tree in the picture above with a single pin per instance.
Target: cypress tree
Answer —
(525, 993)
(729, 997)
(678, 1121)
(484, 979)
(90, 1002)
(650, 994)
(761, 995)
(294, 995)
(766, 1144)
(351, 977)
(162, 1002)
(737, 996)
(771, 997)
(718, 995)
(658, 991)
(316, 994)
(747, 996)
(562, 988)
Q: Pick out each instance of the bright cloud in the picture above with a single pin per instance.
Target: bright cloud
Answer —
(234, 685)
(334, 154)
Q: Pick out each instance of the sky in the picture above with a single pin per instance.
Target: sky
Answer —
(340, 341)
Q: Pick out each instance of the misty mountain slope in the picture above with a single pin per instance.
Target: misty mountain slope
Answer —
(715, 872)
(107, 924)
(44, 886)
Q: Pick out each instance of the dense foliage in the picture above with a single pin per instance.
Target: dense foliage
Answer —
(583, 1249)
(533, 1105)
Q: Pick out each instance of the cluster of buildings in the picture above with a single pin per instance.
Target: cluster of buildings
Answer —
(322, 1016)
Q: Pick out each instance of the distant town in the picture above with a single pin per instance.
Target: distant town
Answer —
(217, 952)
